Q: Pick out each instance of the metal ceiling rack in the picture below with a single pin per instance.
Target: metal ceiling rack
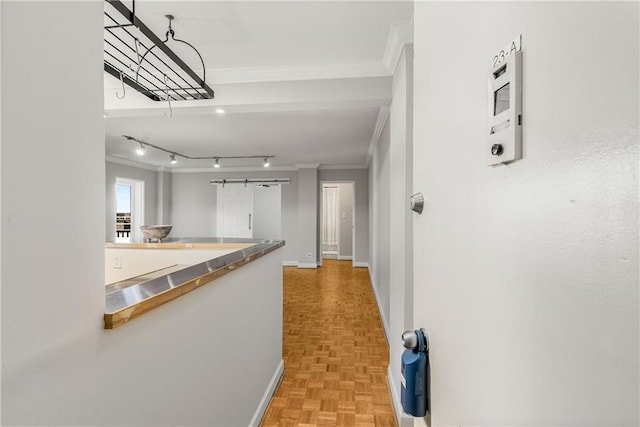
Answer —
(130, 55)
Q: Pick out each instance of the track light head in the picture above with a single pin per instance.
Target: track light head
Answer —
(173, 160)
(140, 150)
(217, 163)
(266, 162)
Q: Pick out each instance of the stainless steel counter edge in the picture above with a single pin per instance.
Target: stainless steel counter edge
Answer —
(129, 302)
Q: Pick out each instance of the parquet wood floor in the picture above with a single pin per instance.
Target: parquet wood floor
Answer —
(334, 349)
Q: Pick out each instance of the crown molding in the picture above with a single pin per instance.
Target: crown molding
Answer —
(400, 34)
(228, 169)
(340, 167)
(307, 165)
(126, 162)
(381, 121)
(280, 74)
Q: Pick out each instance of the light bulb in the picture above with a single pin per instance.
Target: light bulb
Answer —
(216, 164)
(140, 150)
(173, 160)
(266, 162)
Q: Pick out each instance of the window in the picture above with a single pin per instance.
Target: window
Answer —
(129, 209)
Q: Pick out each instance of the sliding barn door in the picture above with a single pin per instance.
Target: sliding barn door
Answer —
(234, 216)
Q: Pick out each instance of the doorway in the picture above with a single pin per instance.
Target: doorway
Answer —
(129, 209)
(337, 221)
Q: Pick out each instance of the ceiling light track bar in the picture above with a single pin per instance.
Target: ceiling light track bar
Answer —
(245, 181)
(202, 92)
(185, 156)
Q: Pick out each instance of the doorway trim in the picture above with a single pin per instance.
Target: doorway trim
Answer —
(354, 224)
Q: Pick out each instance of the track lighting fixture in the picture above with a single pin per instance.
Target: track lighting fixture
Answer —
(173, 154)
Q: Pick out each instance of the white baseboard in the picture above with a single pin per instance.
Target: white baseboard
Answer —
(266, 398)
(307, 265)
(361, 264)
(345, 257)
(403, 419)
(383, 318)
(289, 263)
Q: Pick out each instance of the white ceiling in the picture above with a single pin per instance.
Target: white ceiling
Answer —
(304, 81)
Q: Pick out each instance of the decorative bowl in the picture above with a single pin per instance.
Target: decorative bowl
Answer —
(155, 232)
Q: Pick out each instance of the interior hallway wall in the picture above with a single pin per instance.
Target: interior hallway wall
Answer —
(346, 221)
(400, 216)
(527, 275)
(379, 208)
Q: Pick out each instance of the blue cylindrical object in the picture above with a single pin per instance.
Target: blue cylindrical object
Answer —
(413, 392)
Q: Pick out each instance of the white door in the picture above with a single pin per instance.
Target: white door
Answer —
(234, 217)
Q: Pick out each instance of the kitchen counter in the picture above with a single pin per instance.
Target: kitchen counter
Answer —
(132, 297)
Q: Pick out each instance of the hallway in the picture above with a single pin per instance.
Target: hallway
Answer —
(335, 352)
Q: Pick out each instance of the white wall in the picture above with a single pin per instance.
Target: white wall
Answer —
(176, 365)
(151, 200)
(194, 204)
(361, 183)
(163, 205)
(346, 221)
(267, 212)
(53, 174)
(125, 263)
(400, 216)
(526, 276)
(379, 209)
(308, 224)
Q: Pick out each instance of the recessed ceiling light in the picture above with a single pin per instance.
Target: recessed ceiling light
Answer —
(220, 111)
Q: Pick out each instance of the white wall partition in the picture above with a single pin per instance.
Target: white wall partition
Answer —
(526, 276)
(176, 365)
